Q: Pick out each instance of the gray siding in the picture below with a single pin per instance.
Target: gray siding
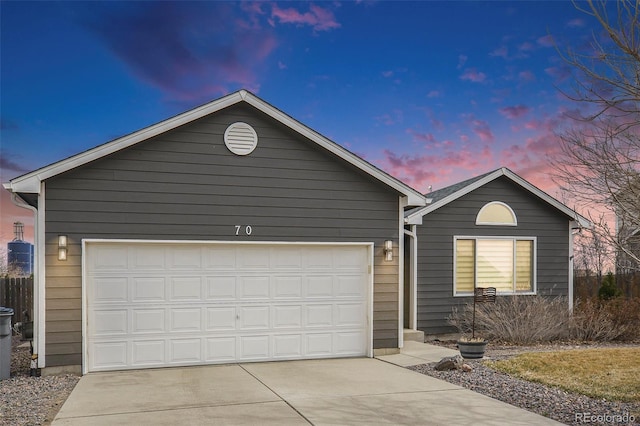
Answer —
(435, 247)
(186, 185)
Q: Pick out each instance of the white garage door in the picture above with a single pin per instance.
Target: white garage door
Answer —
(168, 304)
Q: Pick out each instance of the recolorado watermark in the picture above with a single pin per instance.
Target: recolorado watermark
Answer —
(586, 417)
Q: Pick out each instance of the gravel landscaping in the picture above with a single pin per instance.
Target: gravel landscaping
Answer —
(29, 400)
(565, 407)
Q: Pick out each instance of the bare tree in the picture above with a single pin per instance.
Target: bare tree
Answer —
(600, 161)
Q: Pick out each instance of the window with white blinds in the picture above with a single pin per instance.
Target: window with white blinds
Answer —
(508, 264)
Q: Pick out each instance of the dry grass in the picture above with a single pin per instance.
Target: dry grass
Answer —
(609, 373)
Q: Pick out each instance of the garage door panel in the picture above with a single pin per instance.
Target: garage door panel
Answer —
(148, 258)
(319, 258)
(288, 346)
(219, 258)
(254, 348)
(287, 317)
(186, 288)
(287, 259)
(150, 289)
(253, 258)
(221, 288)
(349, 315)
(111, 322)
(319, 344)
(148, 352)
(111, 289)
(350, 259)
(108, 258)
(253, 317)
(166, 304)
(221, 318)
(349, 286)
(185, 258)
(184, 351)
(287, 287)
(148, 321)
(221, 349)
(186, 319)
(319, 287)
(319, 316)
(254, 287)
(349, 343)
(109, 355)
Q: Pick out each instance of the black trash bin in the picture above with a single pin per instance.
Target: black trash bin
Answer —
(5, 342)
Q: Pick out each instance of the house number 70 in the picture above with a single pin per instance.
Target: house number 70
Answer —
(247, 229)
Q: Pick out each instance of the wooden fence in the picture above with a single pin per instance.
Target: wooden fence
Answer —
(17, 293)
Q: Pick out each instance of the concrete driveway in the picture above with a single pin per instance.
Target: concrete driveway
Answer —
(319, 392)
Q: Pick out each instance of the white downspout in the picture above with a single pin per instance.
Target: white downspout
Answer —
(38, 276)
(401, 274)
(570, 283)
(413, 278)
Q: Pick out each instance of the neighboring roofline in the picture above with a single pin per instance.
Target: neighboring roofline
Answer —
(415, 216)
(30, 182)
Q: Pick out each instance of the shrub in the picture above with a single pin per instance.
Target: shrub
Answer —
(626, 314)
(593, 322)
(516, 319)
(526, 320)
(608, 288)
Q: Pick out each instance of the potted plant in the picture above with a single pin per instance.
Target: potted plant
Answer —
(474, 347)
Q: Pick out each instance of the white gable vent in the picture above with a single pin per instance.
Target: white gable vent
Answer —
(240, 138)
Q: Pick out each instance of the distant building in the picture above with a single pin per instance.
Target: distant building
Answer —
(19, 252)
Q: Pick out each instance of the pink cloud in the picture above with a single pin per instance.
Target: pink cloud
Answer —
(428, 138)
(560, 73)
(387, 74)
(576, 23)
(462, 59)
(420, 171)
(501, 52)
(526, 47)
(473, 75)
(546, 41)
(433, 94)
(526, 76)
(392, 118)
(513, 112)
(318, 18)
(482, 130)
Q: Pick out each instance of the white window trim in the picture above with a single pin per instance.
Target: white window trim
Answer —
(515, 218)
(475, 277)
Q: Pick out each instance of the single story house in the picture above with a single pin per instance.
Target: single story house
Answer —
(234, 233)
(494, 230)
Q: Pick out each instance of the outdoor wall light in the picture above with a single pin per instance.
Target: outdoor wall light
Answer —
(388, 250)
(62, 247)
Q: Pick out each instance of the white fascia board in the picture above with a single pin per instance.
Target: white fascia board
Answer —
(31, 181)
(416, 217)
(583, 222)
(411, 196)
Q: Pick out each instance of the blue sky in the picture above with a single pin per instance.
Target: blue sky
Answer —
(431, 92)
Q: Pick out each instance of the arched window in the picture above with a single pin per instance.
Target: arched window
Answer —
(496, 213)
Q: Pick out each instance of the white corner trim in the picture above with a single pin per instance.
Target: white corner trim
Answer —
(40, 298)
(401, 306)
(570, 274)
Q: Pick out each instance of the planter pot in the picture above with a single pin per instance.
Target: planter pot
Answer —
(472, 350)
